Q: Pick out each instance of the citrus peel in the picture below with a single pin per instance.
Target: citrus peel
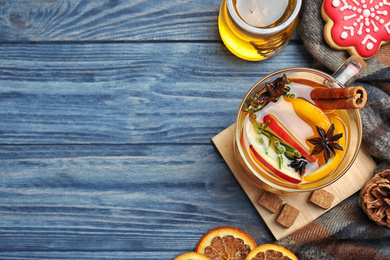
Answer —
(309, 112)
(192, 256)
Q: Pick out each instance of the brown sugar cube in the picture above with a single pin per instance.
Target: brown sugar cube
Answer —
(322, 198)
(287, 216)
(270, 201)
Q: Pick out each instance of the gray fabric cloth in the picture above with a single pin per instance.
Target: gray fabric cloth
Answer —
(311, 30)
(375, 78)
(346, 232)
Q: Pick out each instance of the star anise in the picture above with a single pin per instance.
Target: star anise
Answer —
(326, 142)
(298, 163)
(273, 91)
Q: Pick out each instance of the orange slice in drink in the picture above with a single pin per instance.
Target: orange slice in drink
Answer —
(333, 161)
(192, 256)
(228, 243)
(309, 112)
(315, 116)
(271, 251)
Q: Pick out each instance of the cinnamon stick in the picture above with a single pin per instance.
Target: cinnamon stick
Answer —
(339, 98)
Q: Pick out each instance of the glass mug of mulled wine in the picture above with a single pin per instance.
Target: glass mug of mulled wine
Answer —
(299, 129)
(257, 29)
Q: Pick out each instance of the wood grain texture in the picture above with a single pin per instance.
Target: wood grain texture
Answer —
(125, 199)
(107, 110)
(125, 93)
(109, 20)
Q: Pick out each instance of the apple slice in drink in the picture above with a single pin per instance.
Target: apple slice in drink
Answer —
(267, 157)
(288, 176)
(279, 130)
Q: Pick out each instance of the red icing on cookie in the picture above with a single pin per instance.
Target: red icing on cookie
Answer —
(363, 24)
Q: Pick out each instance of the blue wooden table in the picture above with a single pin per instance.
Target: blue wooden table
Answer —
(107, 112)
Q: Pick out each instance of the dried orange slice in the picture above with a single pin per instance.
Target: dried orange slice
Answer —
(192, 256)
(227, 243)
(270, 251)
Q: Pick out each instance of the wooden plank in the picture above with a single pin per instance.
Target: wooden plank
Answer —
(351, 182)
(108, 255)
(90, 20)
(121, 200)
(119, 20)
(125, 93)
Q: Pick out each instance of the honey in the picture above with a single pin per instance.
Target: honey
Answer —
(257, 29)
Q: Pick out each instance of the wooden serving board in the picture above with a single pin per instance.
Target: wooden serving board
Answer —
(360, 172)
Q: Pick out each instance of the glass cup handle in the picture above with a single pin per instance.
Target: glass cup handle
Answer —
(350, 70)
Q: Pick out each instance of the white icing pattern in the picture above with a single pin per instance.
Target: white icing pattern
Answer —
(365, 18)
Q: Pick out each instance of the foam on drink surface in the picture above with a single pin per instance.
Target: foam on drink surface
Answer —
(261, 13)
